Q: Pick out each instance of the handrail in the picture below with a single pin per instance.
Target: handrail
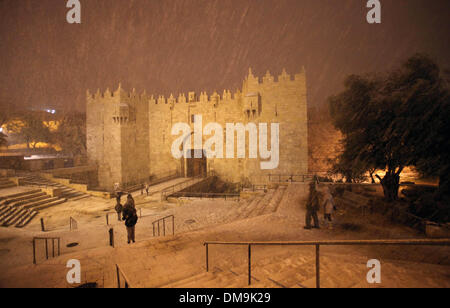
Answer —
(119, 273)
(206, 195)
(73, 224)
(290, 177)
(163, 219)
(156, 180)
(317, 244)
(259, 187)
(46, 239)
(171, 189)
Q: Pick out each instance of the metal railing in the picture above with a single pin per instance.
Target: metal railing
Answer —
(73, 224)
(256, 187)
(291, 178)
(46, 239)
(403, 216)
(317, 244)
(163, 220)
(120, 274)
(153, 180)
(177, 187)
(225, 196)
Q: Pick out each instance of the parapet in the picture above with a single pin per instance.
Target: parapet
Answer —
(251, 83)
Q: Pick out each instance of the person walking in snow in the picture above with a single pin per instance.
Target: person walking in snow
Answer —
(312, 207)
(329, 207)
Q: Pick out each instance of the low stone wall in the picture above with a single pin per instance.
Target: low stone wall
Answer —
(78, 187)
(6, 173)
(433, 230)
(51, 191)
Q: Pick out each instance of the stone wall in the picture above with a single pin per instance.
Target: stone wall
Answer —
(129, 134)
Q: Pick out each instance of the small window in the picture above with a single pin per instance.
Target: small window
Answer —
(193, 118)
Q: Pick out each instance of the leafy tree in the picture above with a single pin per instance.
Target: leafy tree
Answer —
(433, 157)
(6, 113)
(30, 126)
(3, 141)
(349, 166)
(385, 120)
(71, 134)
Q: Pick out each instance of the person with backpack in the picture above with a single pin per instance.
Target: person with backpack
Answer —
(130, 216)
(312, 207)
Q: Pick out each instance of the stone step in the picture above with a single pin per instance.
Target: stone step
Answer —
(38, 203)
(19, 194)
(7, 185)
(261, 204)
(275, 201)
(180, 283)
(210, 279)
(241, 211)
(83, 196)
(43, 196)
(11, 216)
(71, 194)
(10, 201)
(4, 209)
(253, 206)
(8, 213)
(26, 220)
(40, 184)
(50, 204)
(16, 218)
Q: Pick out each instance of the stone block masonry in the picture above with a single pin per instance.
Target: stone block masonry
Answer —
(129, 134)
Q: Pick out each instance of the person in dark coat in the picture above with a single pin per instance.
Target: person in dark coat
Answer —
(312, 207)
(130, 217)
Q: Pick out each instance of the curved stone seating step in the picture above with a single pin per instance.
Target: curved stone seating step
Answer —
(4, 209)
(25, 220)
(14, 219)
(13, 214)
(10, 211)
(42, 203)
(36, 198)
(7, 185)
(261, 204)
(275, 201)
(17, 195)
(240, 212)
(50, 204)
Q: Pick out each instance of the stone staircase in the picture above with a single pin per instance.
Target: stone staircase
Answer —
(6, 183)
(258, 205)
(298, 271)
(19, 209)
(66, 192)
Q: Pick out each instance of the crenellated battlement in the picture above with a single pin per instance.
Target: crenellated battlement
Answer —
(250, 84)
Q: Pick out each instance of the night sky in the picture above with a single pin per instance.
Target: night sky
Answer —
(167, 46)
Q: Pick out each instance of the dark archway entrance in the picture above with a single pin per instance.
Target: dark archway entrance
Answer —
(196, 166)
